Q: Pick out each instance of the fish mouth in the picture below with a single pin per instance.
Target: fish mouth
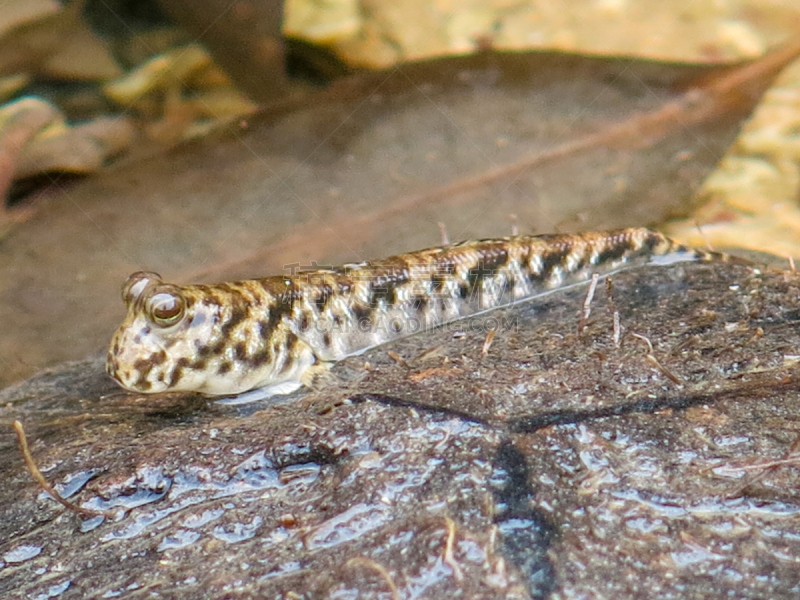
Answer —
(115, 372)
(112, 370)
(112, 367)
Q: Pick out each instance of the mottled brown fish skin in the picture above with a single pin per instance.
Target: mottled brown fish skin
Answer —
(229, 338)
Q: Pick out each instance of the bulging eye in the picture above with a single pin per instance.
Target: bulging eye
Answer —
(137, 284)
(166, 308)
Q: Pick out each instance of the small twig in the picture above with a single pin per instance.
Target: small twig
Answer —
(666, 372)
(655, 362)
(767, 468)
(791, 264)
(379, 569)
(487, 341)
(43, 483)
(769, 464)
(398, 359)
(448, 558)
(491, 546)
(646, 341)
(587, 303)
(617, 327)
(443, 234)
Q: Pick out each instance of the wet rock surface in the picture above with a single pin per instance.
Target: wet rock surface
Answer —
(545, 462)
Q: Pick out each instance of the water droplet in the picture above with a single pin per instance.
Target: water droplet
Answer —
(237, 532)
(22, 553)
(92, 523)
(349, 525)
(55, 590)
(193, 521)
(180, 539)
(74, 482)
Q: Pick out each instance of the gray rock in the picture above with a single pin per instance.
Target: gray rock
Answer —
(554, 464)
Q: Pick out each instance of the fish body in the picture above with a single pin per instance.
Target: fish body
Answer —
(271, 333)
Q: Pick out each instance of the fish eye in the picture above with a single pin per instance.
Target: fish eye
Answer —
(166, 308)
(136, 285)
